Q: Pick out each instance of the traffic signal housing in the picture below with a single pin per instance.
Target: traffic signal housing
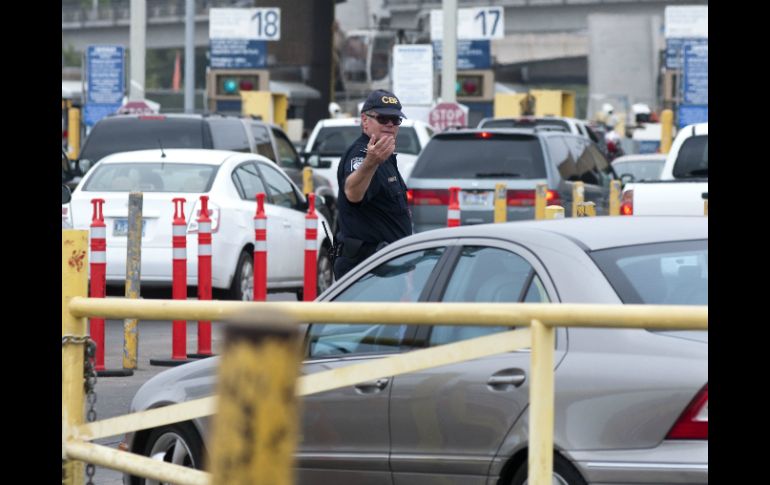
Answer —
(475, 85)
(224, 87)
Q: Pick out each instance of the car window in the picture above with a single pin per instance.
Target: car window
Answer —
(247, 181)
(673, 273)
(151, 177)
(280, 191)
(585, 161)
(229, 134)
(485, 274)
(561, 157)
(334, 140)
(401, 279)
(494, 156)
(262, 142)
(287, 155)
(407, 141)
(692, 161)
(640, 169)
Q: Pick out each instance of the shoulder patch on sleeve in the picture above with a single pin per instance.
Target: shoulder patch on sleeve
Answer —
(356, 162)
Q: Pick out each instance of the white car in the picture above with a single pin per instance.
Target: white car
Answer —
(331, 137)
(231, 180)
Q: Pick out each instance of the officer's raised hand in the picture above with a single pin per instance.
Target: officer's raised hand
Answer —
(379, 150)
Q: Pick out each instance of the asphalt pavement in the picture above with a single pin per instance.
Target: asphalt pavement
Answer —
(114, 394)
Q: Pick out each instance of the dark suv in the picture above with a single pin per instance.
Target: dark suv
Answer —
(476, 160)
(121, 133)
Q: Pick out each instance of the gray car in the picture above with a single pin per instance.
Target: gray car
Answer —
(631, 405)
(477, 160)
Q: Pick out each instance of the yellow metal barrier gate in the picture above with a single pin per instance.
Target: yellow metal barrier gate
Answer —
(540, 318)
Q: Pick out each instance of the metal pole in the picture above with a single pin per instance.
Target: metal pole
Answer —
(189, 57)
(254, 432)
(74, 282)
(449, 52)
(137, 38)
(541, 401)
(133, 277)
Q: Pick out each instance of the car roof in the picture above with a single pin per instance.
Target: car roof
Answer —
(661, 157)
(592, 233)
(354, 121)
(177, 155)
(520, 131)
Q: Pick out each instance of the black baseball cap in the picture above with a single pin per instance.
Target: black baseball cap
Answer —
(384, 103)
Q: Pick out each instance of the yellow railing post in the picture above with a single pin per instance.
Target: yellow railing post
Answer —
(541, 191)
(614, 198)
(74, 282)
(578, 194)
(73, 133)
(541, 401)
(590, 209)
(254, 433)
(666, 130)
(307, 180)
(500, 203)
(554, 212)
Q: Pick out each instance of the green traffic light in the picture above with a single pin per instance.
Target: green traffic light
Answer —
(230, 86)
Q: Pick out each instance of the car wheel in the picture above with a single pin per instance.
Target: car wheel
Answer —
(178, 443)
(563, 473)
(242, 287)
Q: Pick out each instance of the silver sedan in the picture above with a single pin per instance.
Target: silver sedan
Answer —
(631, 405)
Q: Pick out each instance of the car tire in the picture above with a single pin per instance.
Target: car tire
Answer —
(324, 274)
(564, 473)
(178, 443)
(242, 287)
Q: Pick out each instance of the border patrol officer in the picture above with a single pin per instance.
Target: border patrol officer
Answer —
(372, 197)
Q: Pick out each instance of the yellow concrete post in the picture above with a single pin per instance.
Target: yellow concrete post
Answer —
(580, 209)
(666, 130)
(74, 282)
(307, 180)
(254, 433)
(590, 209)
(706, 207)
(73, 133)
(133, 277)
(554, 212)
(614, 209)
(541, 401)
(541, 192)
(578, 194)
(500, 203)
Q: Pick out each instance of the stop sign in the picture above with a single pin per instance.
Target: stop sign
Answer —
(445, 115)
(138, 107)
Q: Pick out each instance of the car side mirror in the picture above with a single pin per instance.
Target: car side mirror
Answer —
(80, 167)
(626, 178)
(66, 194)
(314, 160)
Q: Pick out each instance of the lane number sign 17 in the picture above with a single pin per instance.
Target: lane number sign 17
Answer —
(479, 23)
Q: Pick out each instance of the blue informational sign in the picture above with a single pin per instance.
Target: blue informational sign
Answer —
(105, 68)
(471, 54)
(675, 50)
(691, 114)
(696, 74)
(237, 53)
(93, 112)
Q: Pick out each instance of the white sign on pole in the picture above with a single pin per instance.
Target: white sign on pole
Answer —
(479, 23)
(413, 73)
(245, 23)
(687, 22)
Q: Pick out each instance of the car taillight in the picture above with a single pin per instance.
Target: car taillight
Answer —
(409, 196)
(693, 424)
(192, 226)
(524, 198)
(484, 134)
(627, 203)
(429, 197)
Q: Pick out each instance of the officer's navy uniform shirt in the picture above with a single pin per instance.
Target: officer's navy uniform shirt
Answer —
(382, 215)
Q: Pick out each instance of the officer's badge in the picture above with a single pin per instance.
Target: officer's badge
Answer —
(355, 163)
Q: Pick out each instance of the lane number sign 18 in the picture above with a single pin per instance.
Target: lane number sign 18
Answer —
(268, 23)
(245, 23)
(479, 23)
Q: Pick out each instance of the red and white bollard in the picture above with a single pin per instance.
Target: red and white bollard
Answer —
(204, 275)
(311, 250)
(453, 212)
(260, 250)
(179, 278)
(98, 281)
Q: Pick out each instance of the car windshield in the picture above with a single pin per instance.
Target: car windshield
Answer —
(334, 140)
(127, 134)
(671, 273)
(151, 177)
(692, 161)
(473, 156)
(640, 169)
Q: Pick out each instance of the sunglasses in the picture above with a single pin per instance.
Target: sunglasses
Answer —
(383, 119)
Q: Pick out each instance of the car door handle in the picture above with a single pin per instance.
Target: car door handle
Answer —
(506, 379)
(369, 387)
